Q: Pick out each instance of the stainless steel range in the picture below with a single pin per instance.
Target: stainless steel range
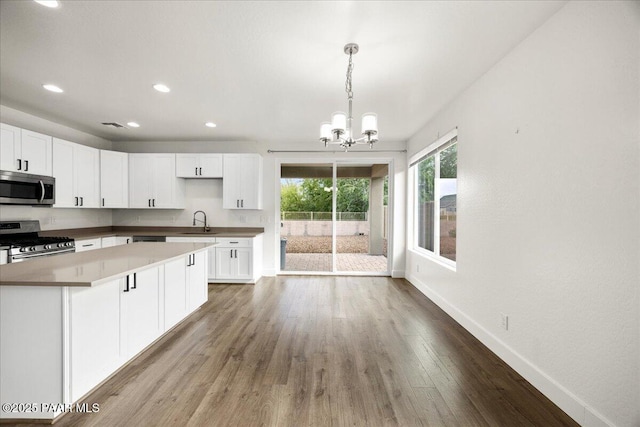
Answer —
(22, 241)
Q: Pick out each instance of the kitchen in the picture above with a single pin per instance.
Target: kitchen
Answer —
(543, 294)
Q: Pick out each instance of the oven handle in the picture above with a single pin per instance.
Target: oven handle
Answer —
(42, 187)
(18, 258)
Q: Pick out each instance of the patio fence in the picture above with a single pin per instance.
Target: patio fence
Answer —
(324, 216)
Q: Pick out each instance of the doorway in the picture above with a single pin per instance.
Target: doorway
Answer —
(334, 218)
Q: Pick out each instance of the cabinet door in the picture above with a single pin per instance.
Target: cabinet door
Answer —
(251, 182)
(164, 180)
(224, 262)
(140, 179)
(243, 263)
(187, 165)
(141, 323)
(86, 165)
(88, 244)
(10, 147)
(231, 181)
(197, 281)
(114, 179)
(211, 267)
(36, 152)
(123, 240)
(94, 315)
(107, 242)
(175, 292)
(210, 165)
(64, 174)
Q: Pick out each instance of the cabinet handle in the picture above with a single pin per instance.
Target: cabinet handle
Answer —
(19, 164)
(194, 259)
(200, 171)
(189, 262)
(237, 203)
(230, 253)
(126, 289)
(103, 201)
(154, 203)
(242, 203)
(26, 165)
(81, 201)
(135, 281)
(87, 245)
(149, 200)
(234, 242)
(128, 241)
(196, 171)
(76, 201)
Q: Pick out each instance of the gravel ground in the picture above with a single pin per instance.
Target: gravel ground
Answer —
(322, 244)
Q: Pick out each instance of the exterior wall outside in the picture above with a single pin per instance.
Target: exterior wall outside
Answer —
(549, 140)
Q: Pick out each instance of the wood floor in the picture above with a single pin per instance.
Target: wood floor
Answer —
(302, 351)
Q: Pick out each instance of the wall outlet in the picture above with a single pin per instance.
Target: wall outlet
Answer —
(504, 321)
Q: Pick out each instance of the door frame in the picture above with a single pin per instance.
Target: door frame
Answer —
(335, 164)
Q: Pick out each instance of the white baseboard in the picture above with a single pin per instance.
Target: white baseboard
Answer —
(269, 272)
(563, 398)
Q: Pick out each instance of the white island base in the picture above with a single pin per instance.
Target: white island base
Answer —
(57, 343)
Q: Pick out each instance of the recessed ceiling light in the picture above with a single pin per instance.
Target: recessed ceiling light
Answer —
(52, 88)
(133, 125)
(161, 88)
(210, 124)
(48, 3)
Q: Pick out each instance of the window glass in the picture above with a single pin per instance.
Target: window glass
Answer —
(448, 201)
(425, 208)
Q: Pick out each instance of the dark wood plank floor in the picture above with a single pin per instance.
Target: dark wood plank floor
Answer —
(302, 351)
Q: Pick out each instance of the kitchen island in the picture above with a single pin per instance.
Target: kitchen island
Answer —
(70, 321)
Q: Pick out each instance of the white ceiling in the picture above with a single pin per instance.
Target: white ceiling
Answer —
(263, 71)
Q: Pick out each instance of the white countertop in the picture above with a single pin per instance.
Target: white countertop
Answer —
(92, 268)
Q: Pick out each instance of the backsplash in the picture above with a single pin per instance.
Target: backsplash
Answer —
(58, 218)
(201, 194)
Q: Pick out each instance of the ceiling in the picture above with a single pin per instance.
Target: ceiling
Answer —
(262, 71)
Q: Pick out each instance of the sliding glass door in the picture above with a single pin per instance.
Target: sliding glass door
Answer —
(334, 218)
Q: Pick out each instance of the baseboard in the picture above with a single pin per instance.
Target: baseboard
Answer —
(269, 272)
(563, 398)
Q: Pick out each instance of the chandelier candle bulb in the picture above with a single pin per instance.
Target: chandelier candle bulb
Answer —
(339, 122)
(369, 123)
(325, 131)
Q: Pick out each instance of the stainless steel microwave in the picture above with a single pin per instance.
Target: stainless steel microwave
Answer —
(17, 188)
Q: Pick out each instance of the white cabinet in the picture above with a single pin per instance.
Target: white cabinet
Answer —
(197, 291)
(185, 287)
(94, 318)
(140, 316)
(199, 165)
(88, 244)
(242, 181)
(211, 253)
(234, 259)
(22, 150)
(114, 179)
(123, 240)
(153, 182)
(76, 169)
(110, 241)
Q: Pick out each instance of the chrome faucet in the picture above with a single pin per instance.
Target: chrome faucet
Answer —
(206, 227)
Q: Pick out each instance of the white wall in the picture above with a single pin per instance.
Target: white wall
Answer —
(206, 194)
(54, 218)
(548, 208)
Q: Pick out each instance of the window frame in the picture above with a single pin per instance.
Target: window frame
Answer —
(433, 149)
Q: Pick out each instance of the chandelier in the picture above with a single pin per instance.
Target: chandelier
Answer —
(340, 129)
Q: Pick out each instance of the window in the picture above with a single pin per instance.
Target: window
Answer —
(435, 173)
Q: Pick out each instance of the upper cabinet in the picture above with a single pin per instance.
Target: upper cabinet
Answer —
(76, 169)
(242, 181)
(25, 151)
(114, 179)
(198, 165)
(153, 182)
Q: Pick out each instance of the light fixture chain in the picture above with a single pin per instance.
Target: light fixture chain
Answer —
(348, 88)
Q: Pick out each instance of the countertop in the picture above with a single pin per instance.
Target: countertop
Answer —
(91, 233)
(92, 268)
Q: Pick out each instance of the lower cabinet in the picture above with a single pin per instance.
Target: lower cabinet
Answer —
(211, 253)
(233, 263)
(185, 287)
(140, 317)
(67, 340)
(88, 244)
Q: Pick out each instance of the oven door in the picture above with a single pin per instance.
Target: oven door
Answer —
(26, 256)
(26, 189)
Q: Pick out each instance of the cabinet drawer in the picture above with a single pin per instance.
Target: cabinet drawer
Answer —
(88, 244)
(232, 242)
